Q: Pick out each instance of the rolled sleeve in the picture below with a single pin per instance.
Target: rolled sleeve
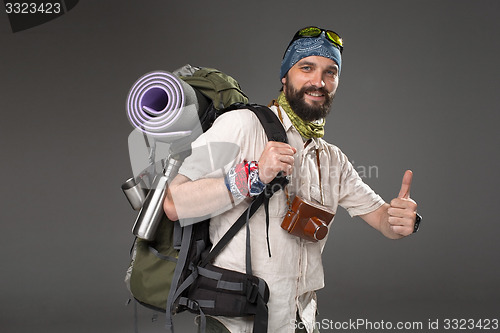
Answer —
(355, 195)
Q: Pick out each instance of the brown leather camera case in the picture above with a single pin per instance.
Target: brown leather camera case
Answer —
(307, 220)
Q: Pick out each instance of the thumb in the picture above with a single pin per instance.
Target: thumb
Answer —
(405, 185)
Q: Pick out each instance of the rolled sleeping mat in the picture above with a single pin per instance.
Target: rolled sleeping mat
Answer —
(162, 105)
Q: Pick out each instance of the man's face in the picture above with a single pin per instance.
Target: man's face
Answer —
(310, 86)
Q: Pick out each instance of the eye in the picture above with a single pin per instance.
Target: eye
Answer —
(306, 68)
(331, 73)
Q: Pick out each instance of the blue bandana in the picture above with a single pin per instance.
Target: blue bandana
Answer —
(306, 47)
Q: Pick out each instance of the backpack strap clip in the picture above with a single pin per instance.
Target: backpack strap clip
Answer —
(252, 292)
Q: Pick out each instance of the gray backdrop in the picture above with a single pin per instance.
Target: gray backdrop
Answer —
(418, 90)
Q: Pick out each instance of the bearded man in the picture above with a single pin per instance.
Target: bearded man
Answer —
(318, 172)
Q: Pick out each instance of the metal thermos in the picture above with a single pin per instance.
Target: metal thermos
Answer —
(152, 210)
(135, 192)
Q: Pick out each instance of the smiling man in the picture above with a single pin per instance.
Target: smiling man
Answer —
(319, 173)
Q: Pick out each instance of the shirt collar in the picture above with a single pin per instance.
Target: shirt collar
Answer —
(287, 124)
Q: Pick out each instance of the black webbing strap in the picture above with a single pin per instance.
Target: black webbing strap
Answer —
(275, 132)
(248, 253)
(221, 284)
(268, 119)
(266, 208)
(161, 256)
(181, 262)
(277, 183)
(240, 222)
(261, 317)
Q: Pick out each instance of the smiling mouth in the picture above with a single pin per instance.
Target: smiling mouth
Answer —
(314, 93)
(315, 96)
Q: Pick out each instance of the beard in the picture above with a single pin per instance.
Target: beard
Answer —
(306, 111)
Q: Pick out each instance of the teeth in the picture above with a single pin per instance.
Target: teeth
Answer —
(315, 94)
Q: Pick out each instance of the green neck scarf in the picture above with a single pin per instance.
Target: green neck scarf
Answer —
(308, 129)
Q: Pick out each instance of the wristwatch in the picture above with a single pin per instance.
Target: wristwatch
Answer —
(417, 223)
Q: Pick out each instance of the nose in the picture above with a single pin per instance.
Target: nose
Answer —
(317, 79)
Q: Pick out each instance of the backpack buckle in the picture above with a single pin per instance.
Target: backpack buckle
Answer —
(252, 292)
(193, 305)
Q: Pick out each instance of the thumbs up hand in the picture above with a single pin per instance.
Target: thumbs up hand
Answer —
(403, 210)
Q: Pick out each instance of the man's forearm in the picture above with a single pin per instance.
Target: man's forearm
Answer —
(186, 198)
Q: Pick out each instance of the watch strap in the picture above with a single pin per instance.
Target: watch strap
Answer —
(418, 219)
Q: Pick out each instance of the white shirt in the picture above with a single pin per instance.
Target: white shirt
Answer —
(294, 271)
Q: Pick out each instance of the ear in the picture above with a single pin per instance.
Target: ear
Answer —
(283, 81)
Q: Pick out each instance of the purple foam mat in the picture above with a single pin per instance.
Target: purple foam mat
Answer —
(155, 101)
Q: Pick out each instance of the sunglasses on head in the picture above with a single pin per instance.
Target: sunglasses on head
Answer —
(332, 36)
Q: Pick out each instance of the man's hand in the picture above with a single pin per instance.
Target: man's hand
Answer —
(403, 210)
(276, 157)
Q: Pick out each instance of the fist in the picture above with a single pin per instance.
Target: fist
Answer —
(403, 210)
(276, 157)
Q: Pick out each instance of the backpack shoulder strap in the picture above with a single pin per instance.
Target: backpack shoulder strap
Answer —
(275, 132)
(270, 122)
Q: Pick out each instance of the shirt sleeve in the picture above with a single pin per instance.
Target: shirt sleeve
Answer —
(229, 141)
(354, 194)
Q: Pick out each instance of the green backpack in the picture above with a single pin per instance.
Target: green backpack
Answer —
(221, 89)
(152, 267)
(173, 273)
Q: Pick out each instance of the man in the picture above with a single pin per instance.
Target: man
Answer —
(318, 172)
